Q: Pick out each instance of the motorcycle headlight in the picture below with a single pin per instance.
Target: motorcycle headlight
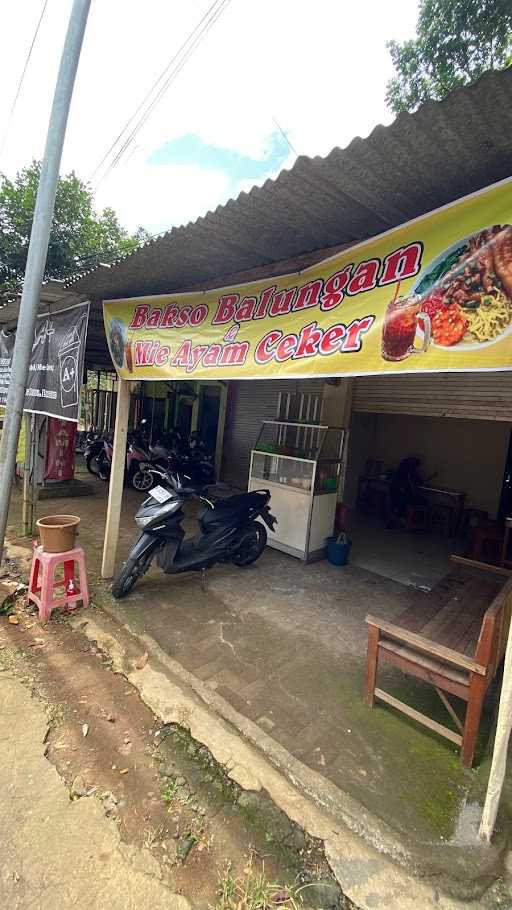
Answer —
(143, 520)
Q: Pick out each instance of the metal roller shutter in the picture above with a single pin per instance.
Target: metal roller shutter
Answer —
(250, 402)
(481, 396)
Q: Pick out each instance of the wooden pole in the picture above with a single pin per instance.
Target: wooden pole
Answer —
(27, 513)
(219, 444)
(499, 756)
(115, 493)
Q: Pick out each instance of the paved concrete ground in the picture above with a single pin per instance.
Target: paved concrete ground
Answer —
(55, 852)
(284, 645)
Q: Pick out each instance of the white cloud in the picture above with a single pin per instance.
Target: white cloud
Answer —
(162, 196)
(319, 69)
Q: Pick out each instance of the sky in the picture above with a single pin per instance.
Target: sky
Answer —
(271, 79)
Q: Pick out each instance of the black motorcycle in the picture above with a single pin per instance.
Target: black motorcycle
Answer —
(172, 453)
(229, 532)
(94, 453)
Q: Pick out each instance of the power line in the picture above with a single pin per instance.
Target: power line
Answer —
(22, 77)
(174, 73)
(151, 90)
(200, 31)
(285, 137)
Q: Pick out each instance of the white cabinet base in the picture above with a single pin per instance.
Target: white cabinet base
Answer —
(303, 521)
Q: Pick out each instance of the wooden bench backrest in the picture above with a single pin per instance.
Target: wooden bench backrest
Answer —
(493, 636)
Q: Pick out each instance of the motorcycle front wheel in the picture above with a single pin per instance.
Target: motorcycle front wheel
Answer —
(251, 546)
(130, 572)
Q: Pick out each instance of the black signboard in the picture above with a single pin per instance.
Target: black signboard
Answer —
(56, 364)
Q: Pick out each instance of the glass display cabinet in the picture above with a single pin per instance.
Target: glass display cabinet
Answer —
(300, 464)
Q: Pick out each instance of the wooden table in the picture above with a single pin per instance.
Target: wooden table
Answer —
(383, 485)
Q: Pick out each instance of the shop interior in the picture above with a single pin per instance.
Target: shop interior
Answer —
(456, 502)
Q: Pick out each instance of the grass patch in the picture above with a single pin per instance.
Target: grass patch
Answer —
(169, 792)
(254, 891)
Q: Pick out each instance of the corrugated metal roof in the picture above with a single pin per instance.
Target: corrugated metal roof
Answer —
(53, 295)
(443, 151)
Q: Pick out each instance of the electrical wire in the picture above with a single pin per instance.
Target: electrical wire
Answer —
(213, 18)
(149, 93)
(22, 78)
(200, 31)
(285, 137)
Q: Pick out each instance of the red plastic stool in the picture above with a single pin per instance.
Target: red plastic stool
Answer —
(43, 593)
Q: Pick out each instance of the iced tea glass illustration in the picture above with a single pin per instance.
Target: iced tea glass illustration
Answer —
(402, 320)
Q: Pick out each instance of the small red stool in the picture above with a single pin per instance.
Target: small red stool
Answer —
(42, 593)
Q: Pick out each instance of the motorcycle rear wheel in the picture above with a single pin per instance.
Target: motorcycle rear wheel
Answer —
(92, 465)
(142, 481)
(252, 544)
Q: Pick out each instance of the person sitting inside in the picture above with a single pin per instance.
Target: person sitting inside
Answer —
(405, 487)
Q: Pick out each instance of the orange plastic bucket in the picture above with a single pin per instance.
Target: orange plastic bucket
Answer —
(58, 532)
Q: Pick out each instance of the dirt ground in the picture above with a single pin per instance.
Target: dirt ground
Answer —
(163, 790)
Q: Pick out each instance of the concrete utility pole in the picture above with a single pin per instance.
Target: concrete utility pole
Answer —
(37, 252)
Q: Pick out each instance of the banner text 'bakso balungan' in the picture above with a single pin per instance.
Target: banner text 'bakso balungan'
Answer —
(433, 294)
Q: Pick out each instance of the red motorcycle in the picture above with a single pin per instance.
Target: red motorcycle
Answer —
(137, 474)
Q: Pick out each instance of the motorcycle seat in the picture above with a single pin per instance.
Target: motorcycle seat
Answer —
(232, 508)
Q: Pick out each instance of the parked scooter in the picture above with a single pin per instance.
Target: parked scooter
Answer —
(229, 532)
(85, 438)
(171, 452)
(98, 458)
(95, 454)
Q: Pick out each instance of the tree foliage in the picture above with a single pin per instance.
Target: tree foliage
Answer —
(80, 239)
(456, 41)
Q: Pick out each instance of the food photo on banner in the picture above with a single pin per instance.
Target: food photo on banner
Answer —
(56, 363)
(434, 294)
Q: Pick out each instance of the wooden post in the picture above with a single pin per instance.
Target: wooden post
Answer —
(27, 507)
(115, 493)
(499, 756)
(194, 417)
(219, 443)
(29, 502)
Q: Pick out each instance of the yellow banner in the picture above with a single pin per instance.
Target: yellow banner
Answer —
(433, 294)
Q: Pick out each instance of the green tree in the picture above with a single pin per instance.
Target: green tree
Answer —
(456, 41)
(80, 239)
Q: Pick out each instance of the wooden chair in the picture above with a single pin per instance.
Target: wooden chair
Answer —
(505, 561)
(487, 542)
(471, 518)
(417, 517)
(453, 641)
(442, 519)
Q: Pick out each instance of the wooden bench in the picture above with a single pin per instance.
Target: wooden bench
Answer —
(453, 638)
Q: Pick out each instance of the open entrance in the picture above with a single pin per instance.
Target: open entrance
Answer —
(427, 476)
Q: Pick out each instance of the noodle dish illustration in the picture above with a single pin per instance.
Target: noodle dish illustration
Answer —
(467, 290)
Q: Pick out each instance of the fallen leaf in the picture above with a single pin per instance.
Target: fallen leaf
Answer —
(141, 661)
(13, 620)
(85, 729)
(124, 771)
